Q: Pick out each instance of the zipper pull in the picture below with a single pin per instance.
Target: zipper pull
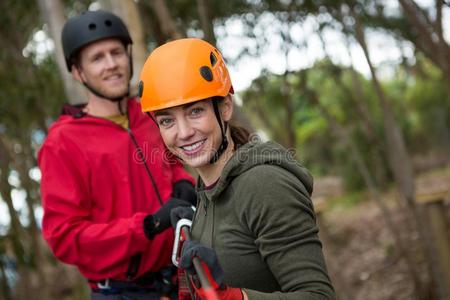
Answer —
(205, 206)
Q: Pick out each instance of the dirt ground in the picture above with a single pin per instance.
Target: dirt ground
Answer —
(360, 250)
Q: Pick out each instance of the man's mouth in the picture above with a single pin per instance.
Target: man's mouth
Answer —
(113, 77)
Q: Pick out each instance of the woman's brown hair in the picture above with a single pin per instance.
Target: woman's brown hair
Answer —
(239, 135)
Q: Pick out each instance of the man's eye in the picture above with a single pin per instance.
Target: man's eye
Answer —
(118, 52)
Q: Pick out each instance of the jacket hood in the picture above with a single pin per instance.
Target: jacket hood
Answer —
(75, 111)
(254, 154)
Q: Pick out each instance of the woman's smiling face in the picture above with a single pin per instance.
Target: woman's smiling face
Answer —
(191, 131)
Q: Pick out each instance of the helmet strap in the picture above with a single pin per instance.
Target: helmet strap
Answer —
(130, 55)
(223, 129)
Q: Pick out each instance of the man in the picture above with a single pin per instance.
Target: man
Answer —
(97, 164)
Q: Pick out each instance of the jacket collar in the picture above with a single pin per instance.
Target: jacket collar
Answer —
(76, 111)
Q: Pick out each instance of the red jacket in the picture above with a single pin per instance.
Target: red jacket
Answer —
(96, 192)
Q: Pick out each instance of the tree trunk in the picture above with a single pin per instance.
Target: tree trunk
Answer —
(398, 157)
(53, 14)
(289, 110)
(344, 136)
(437, 216)
(357, 98)
(400, 162)
(23, 162)
(4, 287)
(430, 35)
(16, 231)
(5, 191)
(169, 28)
(205, 21)
(128, 11)
(378, 153)
(168, 25)
(286, 86)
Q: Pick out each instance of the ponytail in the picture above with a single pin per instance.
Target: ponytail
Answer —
(239, 135)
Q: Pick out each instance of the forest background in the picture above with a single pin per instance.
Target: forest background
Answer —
(359, 89)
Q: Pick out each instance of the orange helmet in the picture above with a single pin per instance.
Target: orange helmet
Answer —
(180, 72)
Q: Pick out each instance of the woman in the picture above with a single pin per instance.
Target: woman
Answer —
(254, 214)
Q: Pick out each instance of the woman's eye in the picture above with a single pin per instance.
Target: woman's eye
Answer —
(165, 122)
(196, 110)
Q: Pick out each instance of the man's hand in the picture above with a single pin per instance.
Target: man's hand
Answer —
(185, 190)
(160, 221)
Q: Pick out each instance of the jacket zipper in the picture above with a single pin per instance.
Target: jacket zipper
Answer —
(202, 203)
(139, 150)
(135, 261)
(147, 169)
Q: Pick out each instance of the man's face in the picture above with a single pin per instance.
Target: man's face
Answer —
(104, 65)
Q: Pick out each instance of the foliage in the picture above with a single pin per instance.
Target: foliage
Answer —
(349, 199)
(426, 100)
(308, 109)
(417, 104)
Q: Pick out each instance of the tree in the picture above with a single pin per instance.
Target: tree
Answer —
(53, 13)
(427, 34)
(129, 12)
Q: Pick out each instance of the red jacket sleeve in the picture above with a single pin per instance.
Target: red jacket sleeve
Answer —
(103, 248)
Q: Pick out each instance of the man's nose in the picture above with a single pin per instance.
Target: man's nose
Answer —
(111, 61)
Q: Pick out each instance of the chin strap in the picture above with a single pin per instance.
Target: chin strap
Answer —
(119, 106)
(223, 129)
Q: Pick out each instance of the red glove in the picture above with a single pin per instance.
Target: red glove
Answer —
(230, 293)
(212, 269)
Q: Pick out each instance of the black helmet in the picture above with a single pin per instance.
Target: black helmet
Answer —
(89, 27)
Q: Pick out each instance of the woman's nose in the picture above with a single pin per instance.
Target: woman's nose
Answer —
(185, 130)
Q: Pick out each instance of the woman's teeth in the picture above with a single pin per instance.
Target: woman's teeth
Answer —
(193, 146)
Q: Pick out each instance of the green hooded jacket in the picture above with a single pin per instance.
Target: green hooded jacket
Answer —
(260, 220)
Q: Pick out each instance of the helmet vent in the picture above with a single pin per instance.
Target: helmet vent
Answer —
(108, 23)
(206, 73)
(213, 59)
(92, 26)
